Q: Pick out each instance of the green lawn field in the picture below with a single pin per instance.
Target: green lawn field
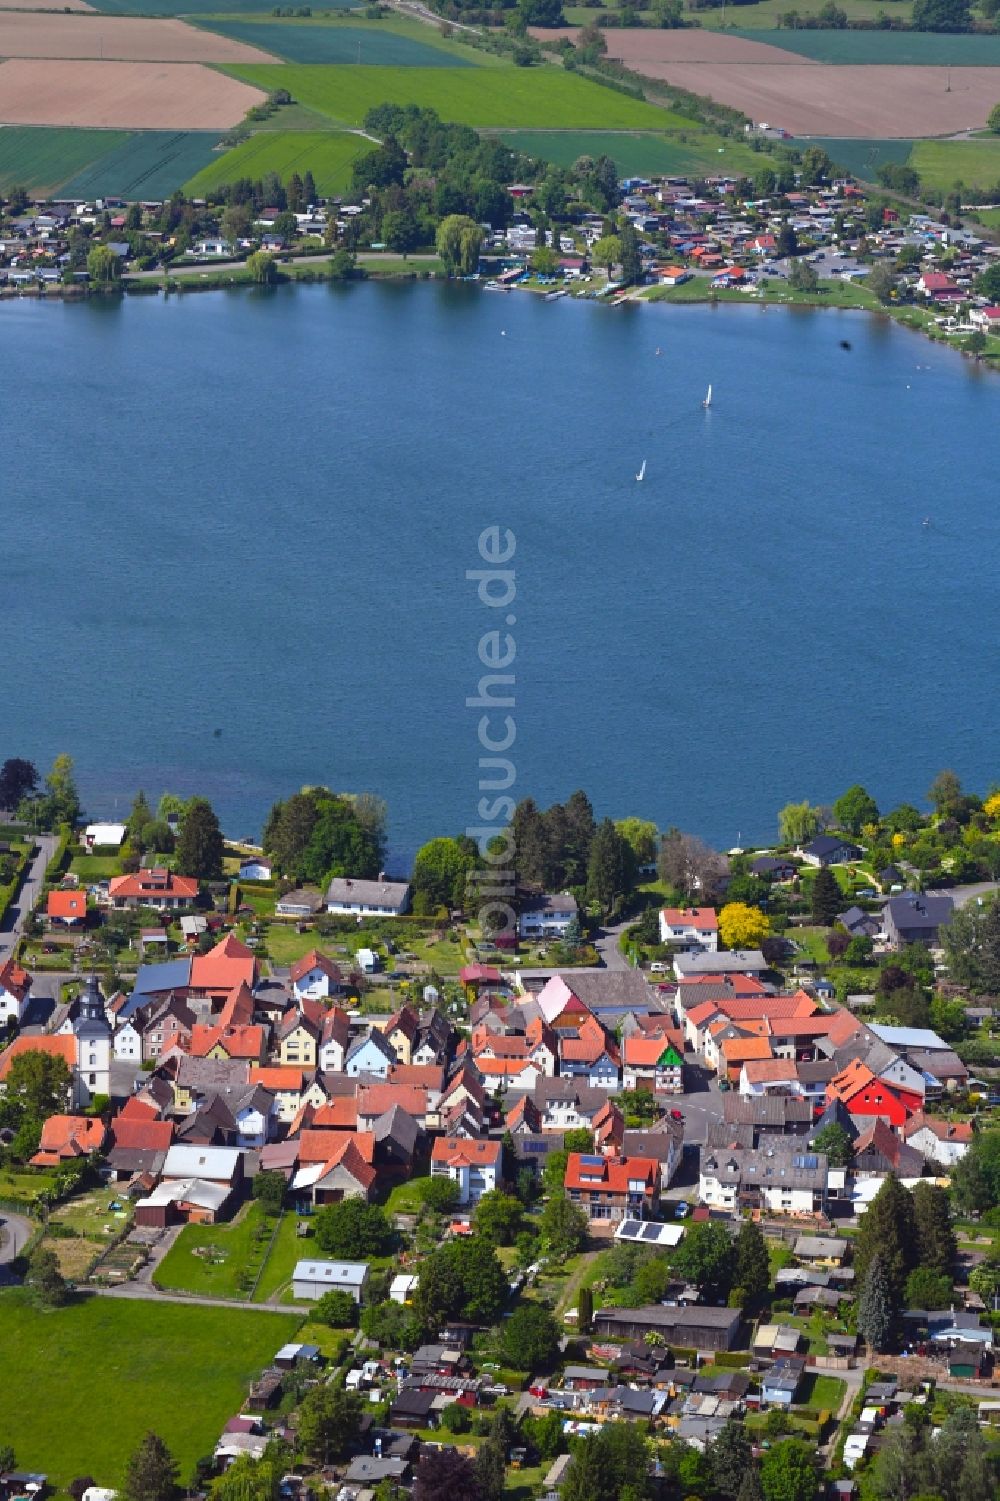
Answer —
(41, 159)
(859, 156)
(82, 1384)
(223, 1260)
(943, 163)
(638, 153)
(326, 154)
(200, 7)
(321, 42)
(761, 16)
(466, 96)
(920, 48)
(150, 164)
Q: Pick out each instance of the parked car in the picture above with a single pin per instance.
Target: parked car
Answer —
(682, 1210)
(676, 1115)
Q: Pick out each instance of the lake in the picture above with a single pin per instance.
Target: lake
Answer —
(238, 528)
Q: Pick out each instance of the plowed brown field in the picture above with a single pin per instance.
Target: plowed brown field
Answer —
(126, 96)
(125, 38)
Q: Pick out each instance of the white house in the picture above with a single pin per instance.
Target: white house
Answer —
(104, 836)
(379, 898)
(216, 248)
(315, 977)
(370, 1055)
(311, 1279)
(693, 929)
(128, 1043)
(940, 1141)
(15, 991)
(474, 1165)
(255, 868)
(782, 1179)
(547, 916)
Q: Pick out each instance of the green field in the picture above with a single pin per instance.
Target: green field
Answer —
(637, 153)
(83, 1384)
(200, 7)
(151, 164)
(943, 163)
(859, 156)
(466, 96)
(920, 48)
(234, 1257)
(303, 42)
(763, 15)
(326, 154)
(40, 159)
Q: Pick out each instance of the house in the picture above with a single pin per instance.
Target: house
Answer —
(138, 1146)
(734, 1052)
(344, 1171)
(213, 1164)
(780, 1384)
(773, 868)
(547, 916)
(613, 1188)
(566, 1104)
(67, 908)
(865, 1094)
(68, 1137)
(158, 888)
(335, 1039)
(311, 1279)
(692, 928)
(913, 917)
(879, 1151)
(299, 1034)
(674, 276)
(654, 1062)
(820, 1250)
(194, 1200)
(223, 969)
(986, 318)
(315, 977)
(664, 1142)
(286, 1083)
(938, 287)
(15, 991)
(474, 1165)
(401, 1033)
(303, 902)
(255, 868)
(104, 836)
(370, 1054)
(829, 849)
(705, 962)
(698, 1327)
(379, 898)
(939, 1141)
(778, 1177)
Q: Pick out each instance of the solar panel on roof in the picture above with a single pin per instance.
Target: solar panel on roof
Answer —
(630, 1227)
(807, 1160)
(650, 1232)
(591, 1161)
(536, 1147)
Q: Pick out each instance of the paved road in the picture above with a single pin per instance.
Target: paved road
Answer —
(607, 946)
(15, 1232)
(139, 1292)
(961, 895)
(31, 888)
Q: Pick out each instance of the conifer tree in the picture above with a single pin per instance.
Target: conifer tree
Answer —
(876, 1309)
(826, 898)
(753, 1269)
(888, 1230)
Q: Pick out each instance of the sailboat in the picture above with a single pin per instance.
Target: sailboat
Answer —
(642, 471)
(708, 399)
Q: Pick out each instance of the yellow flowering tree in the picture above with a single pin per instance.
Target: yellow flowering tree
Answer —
(991, 807)
(742, 926)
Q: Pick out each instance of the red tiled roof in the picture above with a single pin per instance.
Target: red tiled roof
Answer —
(278, 1076)
(612, 1176)
(14, 980)
(238, 1010)
(135, 1108)
(376, 1099)
(330, 1146)
(314, 960)
(229, 964)
(777, 1007)
(67, 1136)
(643, 1052)
(340, 1113)
(943, 1130)
(236, 1042)
(55, 1047)
(702, 919)
(850, 1081)
(153, 884)
(460, 1151)
(743, 1049)
(69, 905)
(422, 1075)
(141, 1135)
(769, 1070)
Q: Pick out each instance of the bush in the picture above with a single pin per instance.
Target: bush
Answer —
(440, 1194)
(337, 1309)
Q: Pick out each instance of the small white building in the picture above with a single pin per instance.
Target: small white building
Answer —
(311, 1279)
(104, 836)
(379, 898)
(403, 1286)
(255, 868)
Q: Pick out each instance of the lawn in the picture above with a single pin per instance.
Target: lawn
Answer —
(223, 1260)
(321, 42)
(24, 1188)
(482, 97)
(926, 49)
(149, 164)
(41, 159)
(83, 1384)
(638, 153)
(328, 155)
(860, 157)
(941, 164)
(813, 943)
(91, 868)
(822, 1392)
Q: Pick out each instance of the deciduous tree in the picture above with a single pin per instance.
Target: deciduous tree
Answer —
(797, 823)
(854, 809)
(45, 1279)
(498, 1217)
(788, 1472)
(530, 1338)
(459, 239)
(352, 1228)
(836, 1144)
(563, 1226)
(328, 1423)
(706, 1256)
(445, 1475)
(742, 926)
(18, 780)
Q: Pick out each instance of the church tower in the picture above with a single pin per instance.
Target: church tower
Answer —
(92, 1031)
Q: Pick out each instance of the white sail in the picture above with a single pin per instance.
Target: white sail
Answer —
(642, 471)
(708, 399)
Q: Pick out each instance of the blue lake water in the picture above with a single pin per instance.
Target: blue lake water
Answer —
(237, 528)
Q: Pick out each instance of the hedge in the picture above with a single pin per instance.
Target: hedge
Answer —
(10, 890)
(57, 865)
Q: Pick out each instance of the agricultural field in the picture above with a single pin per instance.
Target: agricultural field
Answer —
(41, 160)
(328, 155)
(918, 48)
(125, 39)
(638, 153)
(862, 157)
(187, 1367)
(941, 164)
(150, 164)
(482, 97)
(192, 7)
(131, 96)
(373, 46)
(763, 15)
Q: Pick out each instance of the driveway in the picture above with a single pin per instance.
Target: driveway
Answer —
(962, 895)
(31, 889)
(15, 1232)
(606, 945)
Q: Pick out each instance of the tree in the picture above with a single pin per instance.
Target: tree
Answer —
(742, 927)
(585, 1310)
(45, 1279)
(497, 1217)
(530, 1338)
(802, 277)
(18, 780)
(564, 1226)
(461, 1279)
(937, 1246)
(328, 1423)
(248, 1479)
(352, 1228)
(400, 231)
(786, 241)
(730, 1457)
(941, 15)
(444, 1475)
(787, 1472)
(490, 1469)
(541, 12)
(926, 1288)
(753, 1269)
(343, 265)
(878, 1306)
(975, 1178)
(439, 1194)
(993, 120)
(269, 1190)
(706, 1256)
(262, 267)
(641, 835)
(944, 792)
(606, 252)
(103, 266)
(151, 1472)
(835, 1143)
(881, 283)
(971, 942)
(826, 900)
(337, 1309)
(38, 1086)
(888, 1230)
(200, 846)
(750, 1487)
(611, 868)
(612, 1462)
(797, 823)
(631, 257)
(458, 241)
(62, 801)
(855, 809)
(440, 872)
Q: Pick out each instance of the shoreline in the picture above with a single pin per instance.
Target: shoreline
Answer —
(830, 296)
